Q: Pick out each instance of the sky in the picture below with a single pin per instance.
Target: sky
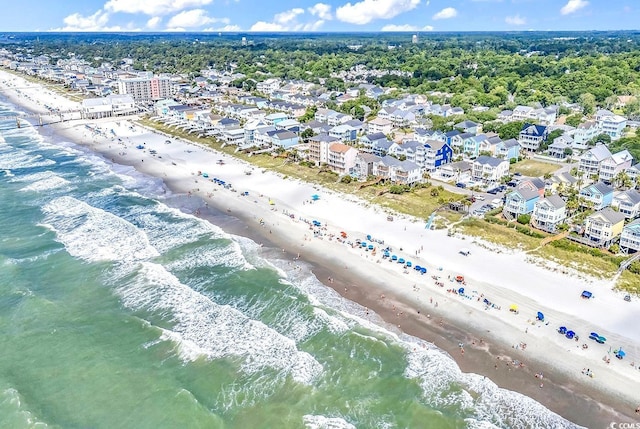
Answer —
(312, 15)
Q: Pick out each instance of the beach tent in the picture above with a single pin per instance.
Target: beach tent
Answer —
(594, 336)
(562, 330)
(401, 261)
(513, 308)
(315, 197)
(394, 258)
(423, 270)
(139, 147)
(586, 294)
(601, 339)
(620, 354)
(570, 334)
(370, 247)
(418, 268)
(409, 264)
(540, 316)
(461, 291)
(363, 244)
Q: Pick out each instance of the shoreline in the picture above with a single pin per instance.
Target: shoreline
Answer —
(328, 258)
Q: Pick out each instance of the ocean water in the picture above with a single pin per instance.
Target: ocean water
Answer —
(119, 310)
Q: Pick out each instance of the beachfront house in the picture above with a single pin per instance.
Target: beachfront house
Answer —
(275, 118)
(616, 163)
(531, 136)
(548, 213)
(589, 162)
(341, 158)
(364, 165)
(487, 169)
(436, 154)
(284, 138)
(109, 106)
(319, 148)
(521, 200)
(630, 237)
(627, 203)
(596, 196)
(409, 150)
(396, 171)
(603, 226)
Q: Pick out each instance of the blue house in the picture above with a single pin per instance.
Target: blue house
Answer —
(284, 138)
(596, 196)
(508, 149)
(437, 153)
(531, 136)
(520, 201)
(471, 145)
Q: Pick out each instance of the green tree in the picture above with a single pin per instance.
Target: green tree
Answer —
(574, 120)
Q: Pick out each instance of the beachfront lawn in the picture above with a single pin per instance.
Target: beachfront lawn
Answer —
(583, 260)
(534, 168)
(497, 234)
(418, 202)
(628, 282)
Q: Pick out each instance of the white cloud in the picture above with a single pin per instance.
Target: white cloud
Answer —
(366, 11)
(266, 26)
(288, 21)
(288, 16)
(405, 27)
(153, 22)
(446, 13)
(515, 20)
(321, 10)
(193, 18)
(96, 22)
(226, 28)
(573, 6)
(152, 7)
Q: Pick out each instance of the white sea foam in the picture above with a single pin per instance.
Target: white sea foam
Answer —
(445, 385)
(218, 331)
(7, 173)
(321, 422)
(93, 234)
(15, 159)
(47, 184)
(13, 412)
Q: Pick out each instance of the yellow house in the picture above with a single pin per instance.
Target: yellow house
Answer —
(603, 226)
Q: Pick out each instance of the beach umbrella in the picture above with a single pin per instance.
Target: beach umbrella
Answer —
(540, 316)
(594, 336)
(461, 291)
(401, 261)
(601, 340)
(562, 330)
(621, 354)
(423, 270)
(394, 258)
(418, 268)
(570, 334)
(513, 307)
(369, 237)
(315, 197)
(409, 264)
(370, 247)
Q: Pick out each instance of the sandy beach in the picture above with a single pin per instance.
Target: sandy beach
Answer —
(476, 327)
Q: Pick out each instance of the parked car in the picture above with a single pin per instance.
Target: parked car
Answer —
(461, 185)
(493, 191)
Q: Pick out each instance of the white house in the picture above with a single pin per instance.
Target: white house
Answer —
(611, 124)
(627, 203)
(489, 169)
(341, 158)
(616, 163)
(548, 213)
(379, 125)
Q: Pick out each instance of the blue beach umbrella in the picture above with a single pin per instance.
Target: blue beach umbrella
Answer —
(409, 264)
(540, 316)
(423, 270)
(401, 261)
(562, 330)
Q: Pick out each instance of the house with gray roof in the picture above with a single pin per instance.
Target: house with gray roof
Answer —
(590, 160)
(488, 169)
(630, 237)
(521, 201)
(603, 226)
(627, 203)
(597, 196)
(549, 213)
